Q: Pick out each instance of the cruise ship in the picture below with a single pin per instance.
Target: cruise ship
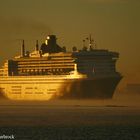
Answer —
(50, 71)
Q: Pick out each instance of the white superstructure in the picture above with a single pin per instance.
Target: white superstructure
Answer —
(51, 71)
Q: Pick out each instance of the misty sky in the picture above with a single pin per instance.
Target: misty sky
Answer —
(114, 24)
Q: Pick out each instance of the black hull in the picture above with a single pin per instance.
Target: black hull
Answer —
(97, 88)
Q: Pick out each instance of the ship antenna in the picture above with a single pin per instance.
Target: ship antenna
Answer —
(90, 42)
(23, 49)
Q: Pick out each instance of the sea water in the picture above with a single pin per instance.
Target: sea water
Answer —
(70, 120)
